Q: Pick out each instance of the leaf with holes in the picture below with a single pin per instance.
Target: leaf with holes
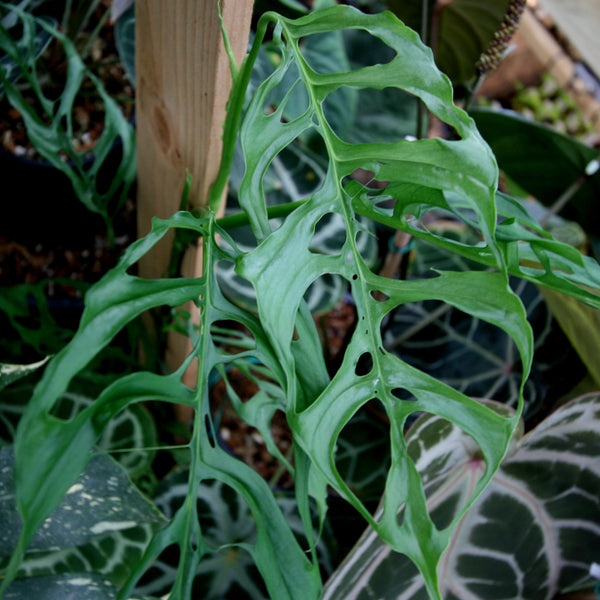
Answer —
(470, 355)
(227, 523)
(457, 175)
(50, 129)
(534, 531)
(293, 175)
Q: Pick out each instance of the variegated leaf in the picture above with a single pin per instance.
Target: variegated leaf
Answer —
(229, 571)
(534, 532)
(102, 526)
(84, 586)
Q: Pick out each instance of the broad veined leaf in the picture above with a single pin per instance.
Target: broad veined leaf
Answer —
(229, 571)
(548, 484)
(543, 161)
(102, 525)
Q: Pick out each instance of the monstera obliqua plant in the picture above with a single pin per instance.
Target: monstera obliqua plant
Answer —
(294, 105)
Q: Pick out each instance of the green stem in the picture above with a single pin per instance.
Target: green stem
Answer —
(273, 212)
(94, 35)
(235, 106)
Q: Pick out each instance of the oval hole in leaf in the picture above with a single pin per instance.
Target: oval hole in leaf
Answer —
(363, 453)
(371, 115)
(289, 95)
(232, 337)
(325, 292)
(364, 365)
(379, 296)
(209, 430)
(329, 235)
(235, 288)
(294, 174)
(224, 519)
(403, 394)
(160, 576)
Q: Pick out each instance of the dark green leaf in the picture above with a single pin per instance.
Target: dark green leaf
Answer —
(548, 484)
(543, 161)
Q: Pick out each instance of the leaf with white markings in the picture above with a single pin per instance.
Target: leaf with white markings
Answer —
(102, 526)
(457, 175)
(534, 532)
(65, 587)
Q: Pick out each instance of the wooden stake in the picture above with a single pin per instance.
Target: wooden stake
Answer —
(183, 82)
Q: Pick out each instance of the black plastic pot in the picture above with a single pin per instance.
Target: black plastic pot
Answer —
(40, 206)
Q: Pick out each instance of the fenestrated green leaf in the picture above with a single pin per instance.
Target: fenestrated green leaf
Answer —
(50, 130)
(227, 522)
(459, 175)
(292, 176)
(530, 252)
(548, 484)
(471, 355)
(431, 164)
(32, 43)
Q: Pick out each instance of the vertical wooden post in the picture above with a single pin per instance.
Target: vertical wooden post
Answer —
(183, 82)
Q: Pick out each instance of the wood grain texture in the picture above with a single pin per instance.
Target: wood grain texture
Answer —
(183, 82)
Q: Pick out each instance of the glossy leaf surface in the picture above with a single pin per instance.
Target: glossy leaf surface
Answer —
(458, 175)
(543, 161)
(532, 533)
(102, 526)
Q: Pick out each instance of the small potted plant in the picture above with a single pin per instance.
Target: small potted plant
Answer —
(67, 144)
